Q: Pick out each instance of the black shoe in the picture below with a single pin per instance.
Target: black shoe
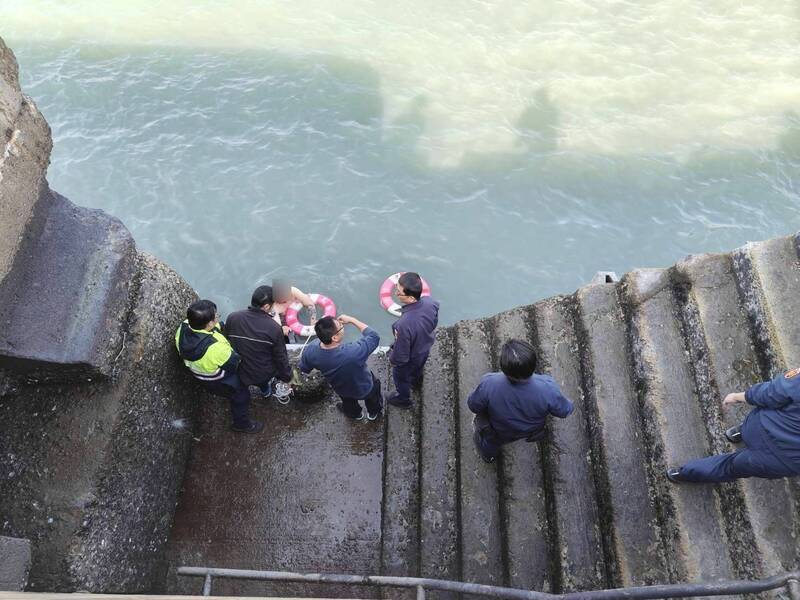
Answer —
(395, 400)
(476, 437)
(674, 475)
(734, 435)
(253, 427)
(376, 416)
(360, 416)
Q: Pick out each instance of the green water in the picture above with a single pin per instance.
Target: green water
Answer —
(505, 150)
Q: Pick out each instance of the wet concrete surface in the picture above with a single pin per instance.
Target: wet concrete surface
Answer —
(303, 495)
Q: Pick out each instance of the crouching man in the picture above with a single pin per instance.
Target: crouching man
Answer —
(213, 362)
(514, 404)
(770, 432)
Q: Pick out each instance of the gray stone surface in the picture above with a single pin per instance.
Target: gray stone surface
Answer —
(25, 145)
(63, 305)
(761, 513)
(93, 468)
(400, 523)
(523, 496)
(632, 524)
(777, 271)
(675, 429)
(481, 541)
(303, 495)
(439, 552)
(15, 563)
(568, 460)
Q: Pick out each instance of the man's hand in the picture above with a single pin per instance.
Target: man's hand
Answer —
(286, 330)
(345, 319)
(732, 399)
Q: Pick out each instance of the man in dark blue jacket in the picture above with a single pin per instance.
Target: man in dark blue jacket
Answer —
(514, 404)
(413, 337)
(771, 433)
(344, 366)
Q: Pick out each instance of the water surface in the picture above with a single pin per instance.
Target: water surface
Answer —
(505, 150)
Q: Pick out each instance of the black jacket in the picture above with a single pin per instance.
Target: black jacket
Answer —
(259, 341)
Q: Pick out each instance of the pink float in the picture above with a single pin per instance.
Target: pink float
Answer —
(387, 289)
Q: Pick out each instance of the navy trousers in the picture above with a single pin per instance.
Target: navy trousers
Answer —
(407, 375)
(756, 460)
(237, 394)
(373, 401)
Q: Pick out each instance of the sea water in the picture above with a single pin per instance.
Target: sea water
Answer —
(505, 150)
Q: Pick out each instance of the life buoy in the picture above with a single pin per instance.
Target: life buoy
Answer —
(387, 289)
(295, 325)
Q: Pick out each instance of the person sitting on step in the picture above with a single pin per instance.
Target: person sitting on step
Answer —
(213, 362)
(344, 366)
(770, 432)
(514, 404)
(258, 339)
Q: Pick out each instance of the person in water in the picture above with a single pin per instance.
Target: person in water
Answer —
(285, 294)
(515, 403)
(770, 433)
(344, 366)
(212, 360)
(413, 337)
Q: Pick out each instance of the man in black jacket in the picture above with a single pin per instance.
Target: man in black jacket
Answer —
(259, 340)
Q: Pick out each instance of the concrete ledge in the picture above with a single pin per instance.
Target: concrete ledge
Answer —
(15, 563)
(63, 304)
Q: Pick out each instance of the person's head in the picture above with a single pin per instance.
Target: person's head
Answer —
(202, 314)
(262, 297)
(409, 287)
(517, 360)
(329, 330)
(281, 291)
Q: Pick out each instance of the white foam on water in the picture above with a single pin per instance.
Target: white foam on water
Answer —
(588, 76)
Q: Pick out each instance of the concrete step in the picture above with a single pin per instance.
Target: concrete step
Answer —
(524, 506)
(438, 520)
(400, 529)
(768, 276)
(63, 305)
(305, 495)
(631, 525)
(725, 361)
(674, 428)
(567, 459)
(479, 498)
(15, 563)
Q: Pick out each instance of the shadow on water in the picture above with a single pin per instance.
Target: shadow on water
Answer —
(240, 166)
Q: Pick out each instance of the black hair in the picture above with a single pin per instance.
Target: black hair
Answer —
(411, 284)
(201, 313)
(517, 360)
(281, 290)
(261, 296)
(325, 329)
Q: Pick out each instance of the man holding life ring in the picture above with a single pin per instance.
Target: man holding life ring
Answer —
(413, 337)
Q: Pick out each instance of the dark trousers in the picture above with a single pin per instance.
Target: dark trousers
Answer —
(373, 401)
(237, 394)
(756, 460)
(407, 375)
(488, 441)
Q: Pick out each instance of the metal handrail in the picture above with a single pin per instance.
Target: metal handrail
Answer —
(790, 580)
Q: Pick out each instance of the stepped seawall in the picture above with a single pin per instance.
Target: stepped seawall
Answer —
(117, 468)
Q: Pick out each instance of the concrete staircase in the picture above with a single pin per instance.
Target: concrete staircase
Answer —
(646, 361)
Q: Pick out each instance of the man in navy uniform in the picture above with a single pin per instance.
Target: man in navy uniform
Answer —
(771, 434)
(514, 404)
(413, 337)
